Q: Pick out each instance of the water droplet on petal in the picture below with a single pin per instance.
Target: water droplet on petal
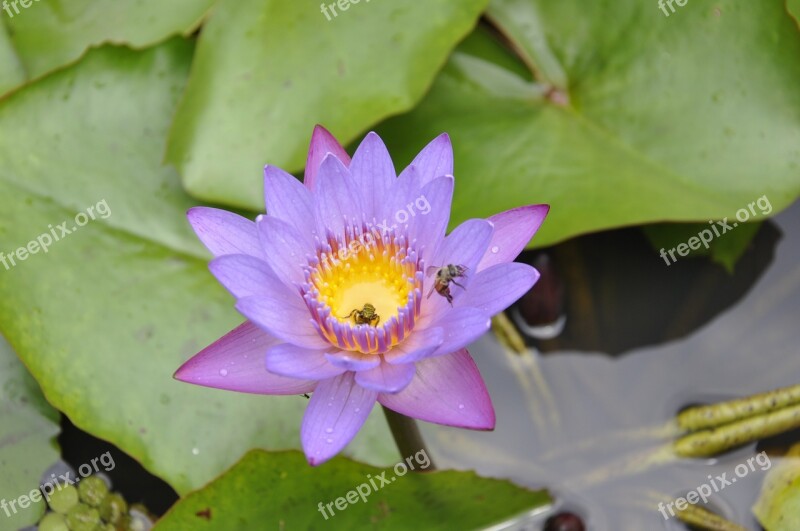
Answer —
(495, 249)
(358, 409)
(223, 372)
(329, 440)
(328, 430)
(461, 406)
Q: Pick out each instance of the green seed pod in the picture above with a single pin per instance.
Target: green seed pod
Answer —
(701, 518)
(64, 499)
(711, 442)
(53, 522)
(701, 417)
(92, 491)
(83, 518)
(113, 508)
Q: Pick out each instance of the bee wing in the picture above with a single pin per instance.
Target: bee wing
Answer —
(430, 291)
(430, 269)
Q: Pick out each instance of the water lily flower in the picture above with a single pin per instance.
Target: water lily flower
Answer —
(342, 286)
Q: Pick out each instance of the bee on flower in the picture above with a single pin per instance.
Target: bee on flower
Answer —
(358, 330)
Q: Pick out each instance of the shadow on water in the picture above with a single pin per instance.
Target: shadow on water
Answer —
(581, 412)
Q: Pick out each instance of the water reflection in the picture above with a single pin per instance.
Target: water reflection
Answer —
(583, 422)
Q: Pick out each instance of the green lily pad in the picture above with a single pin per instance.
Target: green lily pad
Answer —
(12, 73)
(256, 93)
(634, 117)
(778, 507)
(49, 34)
(280, 491)
(28, 427)
(106, 316)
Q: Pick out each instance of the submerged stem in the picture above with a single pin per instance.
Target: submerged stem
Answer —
(407, 436)
(507, 334)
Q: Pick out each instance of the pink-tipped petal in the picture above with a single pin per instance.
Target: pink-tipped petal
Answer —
(420, 345)
(236, 362)
(339, 202)
(298, 362)
(335, 413)
(461, 326)
(435, 160)
(286, 249)
(322, 143)
(287, 199)
(245, 276)
(353, 361)
(496, 288)
(373, 172)
(446, 390)
(386, 378)
(224, 232)
(513, 230)
(282, 319)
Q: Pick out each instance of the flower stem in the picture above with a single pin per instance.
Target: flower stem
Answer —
(407, 436)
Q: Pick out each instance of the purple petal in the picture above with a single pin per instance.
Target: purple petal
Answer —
(466, 245)
(322, 143)
(286, 250)
(373, 172)
(298, 362)
(335, 413)
(420, 345)
(224, 232)
(435, 160)
(236, 362)
(245, 276)
(338, 197)
(513, 230)
(282, 319)
(496, 288)
(431, 214)
(393, 211)
(461, 326)
(447, 390)
(353, 361)
(386, 378)
(287, 199)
